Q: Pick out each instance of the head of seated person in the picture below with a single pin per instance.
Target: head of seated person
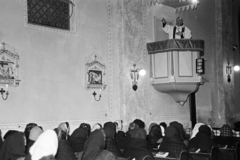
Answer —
(109, 129)
(179, 127)
(64, 127)
(86, 126)
(139, 123)
(96, 126)
(155, 134)
(226, 131)
(62, 135)
(28, 128)
(45, 146)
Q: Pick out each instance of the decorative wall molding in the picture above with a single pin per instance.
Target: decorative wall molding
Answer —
(110, 107)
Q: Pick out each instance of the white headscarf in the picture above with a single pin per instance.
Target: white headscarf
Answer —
(195, 129)
(63, 126)
(96, 126)
(46, 144)
(162, 130)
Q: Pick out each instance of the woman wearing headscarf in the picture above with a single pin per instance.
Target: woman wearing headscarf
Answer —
(65, 127)
(111, 144)
(45, 147)
(65, 150)
(226, 136)
(138, 146)
(196, 129)
(172, 143)
(96, 126)
(95, 144)
(155, 137)
(86, 126)
(181, 133)
(202, 140)
(78, 139)
(120, 136)
(34, 134)
(27, 130)
(13, 147)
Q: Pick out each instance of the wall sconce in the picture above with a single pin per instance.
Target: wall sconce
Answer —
(228, 72)
(134, 73)
(99, 97)
(4, 91)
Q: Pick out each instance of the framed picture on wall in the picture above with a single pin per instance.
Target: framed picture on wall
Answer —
(95, 72)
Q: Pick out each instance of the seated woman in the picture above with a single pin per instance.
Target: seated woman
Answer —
(65, 127)
(13, 147)
(155, 137)
(202, 140)
(78, 138)
(34, 134)
(65, 150)
(226, 137)
(196, 129)
(172, 143)
(138, 146)
(111, 144)
(95, 144)
(120, 136)
(45, 147)
(96, 126)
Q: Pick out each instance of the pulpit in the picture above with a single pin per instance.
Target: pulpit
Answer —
(173, 67)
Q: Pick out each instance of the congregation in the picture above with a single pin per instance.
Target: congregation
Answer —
(110, 142)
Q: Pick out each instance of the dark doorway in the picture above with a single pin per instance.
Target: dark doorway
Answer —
(192, 108)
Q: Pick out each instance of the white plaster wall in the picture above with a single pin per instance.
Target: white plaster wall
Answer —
(52, 65)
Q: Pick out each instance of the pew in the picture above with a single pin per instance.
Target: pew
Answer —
(183, 156)
(213, 155)
(232, 153)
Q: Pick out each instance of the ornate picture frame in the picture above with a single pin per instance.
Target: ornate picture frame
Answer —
(9, 66)
(95, 72)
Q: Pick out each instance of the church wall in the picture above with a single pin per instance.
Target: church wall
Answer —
(52, 65)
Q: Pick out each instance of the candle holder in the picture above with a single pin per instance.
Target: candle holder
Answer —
(99, 97)
(2, 91)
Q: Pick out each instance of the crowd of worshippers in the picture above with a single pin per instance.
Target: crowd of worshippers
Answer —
(107, 142)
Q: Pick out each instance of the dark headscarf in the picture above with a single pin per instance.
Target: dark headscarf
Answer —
(78, 139)
(94, 145)
(110, 129)
(202, 140)
(205, 130)
(13, 147)
(138, 146)
(86, 126)
(179, 127)
(139, 122)
(171, 143)
(171, 132)
(154, 135)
